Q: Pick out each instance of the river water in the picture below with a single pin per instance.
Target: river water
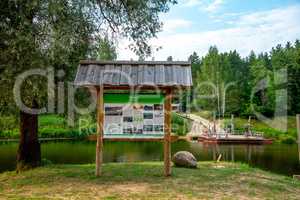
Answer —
(278, 158)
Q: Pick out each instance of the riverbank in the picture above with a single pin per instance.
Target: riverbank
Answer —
(55, 126)
(145, 181)
(288, 136)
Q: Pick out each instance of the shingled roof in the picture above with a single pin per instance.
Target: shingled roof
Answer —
(134, 73)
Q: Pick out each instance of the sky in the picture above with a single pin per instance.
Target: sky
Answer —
(242, 25)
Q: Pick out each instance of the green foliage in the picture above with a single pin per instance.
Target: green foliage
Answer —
(10, 134)
(195, 64)
(287, 137)
(51, 126)
(180, 125)
(59, 33)
(106, 50)
(8, 122)
(46, 162)
(240, 86)
(136, 20)
(222, 80)
(51, 120)
(40, 34)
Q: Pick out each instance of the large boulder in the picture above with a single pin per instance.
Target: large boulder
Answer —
(184, 159)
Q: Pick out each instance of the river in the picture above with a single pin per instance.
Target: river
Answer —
(278, 158)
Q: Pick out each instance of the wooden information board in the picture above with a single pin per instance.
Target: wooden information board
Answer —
(139, 115)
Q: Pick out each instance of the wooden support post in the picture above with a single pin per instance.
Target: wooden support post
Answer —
(100, 119)
(232, 153)
(298, 131)
(214, 124)
(232, 124)
(167, 131)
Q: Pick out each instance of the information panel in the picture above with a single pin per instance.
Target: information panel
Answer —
(146, 117)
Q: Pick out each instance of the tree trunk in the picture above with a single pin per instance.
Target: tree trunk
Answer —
(29, 152)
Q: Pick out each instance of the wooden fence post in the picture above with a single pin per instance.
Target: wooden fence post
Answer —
(167, 132)
(100, 119)
(298, 131)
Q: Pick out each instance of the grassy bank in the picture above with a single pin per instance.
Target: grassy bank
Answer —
(55, 126)
(288, 137)
(50, 126)
(145, 181)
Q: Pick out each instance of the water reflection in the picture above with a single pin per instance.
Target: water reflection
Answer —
(278, 158)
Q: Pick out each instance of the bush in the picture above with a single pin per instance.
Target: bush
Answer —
(51, 120)
(287, 137)
(12, 134)
(50, 126)
(46, 162)
(180, 125)
(8, 122)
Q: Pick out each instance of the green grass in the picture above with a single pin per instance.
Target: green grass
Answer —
(145, 181)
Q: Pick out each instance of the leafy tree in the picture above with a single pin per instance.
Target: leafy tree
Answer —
(106, 49)
(237, 87)
(41, 34)
(211, 77)
(256, 77)
(262, 82)
(287, 58)
(195, 64)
